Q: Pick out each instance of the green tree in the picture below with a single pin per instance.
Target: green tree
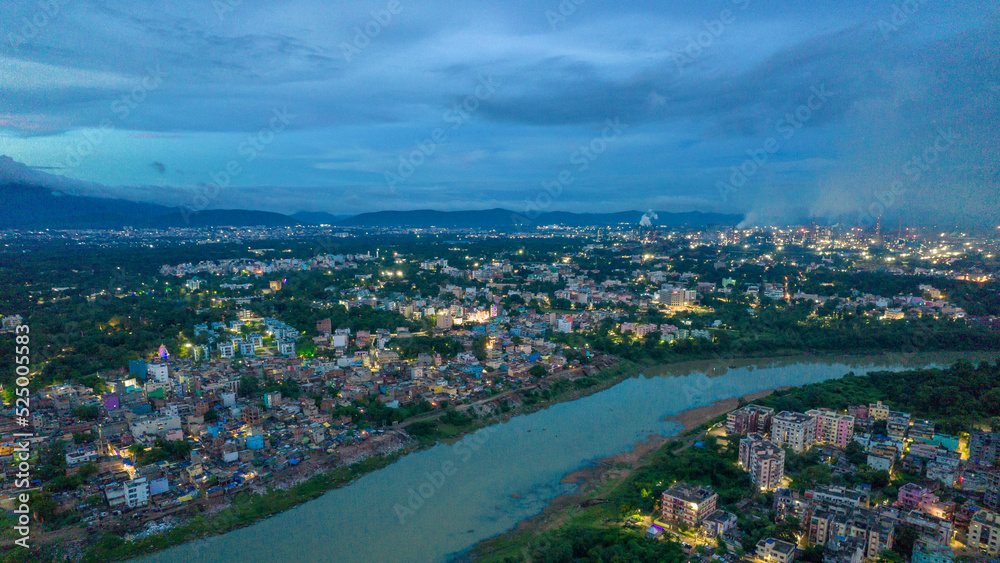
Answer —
(249, 386)
(87, 412)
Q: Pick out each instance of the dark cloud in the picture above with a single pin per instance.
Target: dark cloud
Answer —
(690, 120)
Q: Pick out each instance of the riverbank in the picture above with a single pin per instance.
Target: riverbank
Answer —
(265, 500)
(597, 480)
(588, 507)
(208, 524)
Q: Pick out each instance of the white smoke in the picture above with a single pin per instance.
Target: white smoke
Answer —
(648, 218)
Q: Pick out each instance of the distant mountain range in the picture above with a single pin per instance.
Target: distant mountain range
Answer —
(507, 219)
(30, 206)
(318, 217)
(27, 206)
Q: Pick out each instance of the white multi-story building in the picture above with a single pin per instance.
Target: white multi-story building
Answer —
(154, 426)
(764, 460)
(834, 495)
(286, 347)
(944, 467)
(771, 550)
(794, 430)
(158, 372)
(136, 492)
(444, 321)
(200, 353)
(226, 350)
(984, 532)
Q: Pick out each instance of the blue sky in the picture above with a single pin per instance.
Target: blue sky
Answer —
(595, 106)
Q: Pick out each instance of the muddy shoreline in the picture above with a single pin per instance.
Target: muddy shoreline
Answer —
(620, 466)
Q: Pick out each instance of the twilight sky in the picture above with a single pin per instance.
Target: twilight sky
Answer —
(780, 110)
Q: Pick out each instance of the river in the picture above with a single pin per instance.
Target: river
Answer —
(437, 503)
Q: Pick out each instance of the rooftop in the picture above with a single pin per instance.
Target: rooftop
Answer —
(690, 493)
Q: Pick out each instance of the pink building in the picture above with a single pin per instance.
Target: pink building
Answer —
(832, 427)
(911, 496)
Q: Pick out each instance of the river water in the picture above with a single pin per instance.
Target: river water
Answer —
(437, 503)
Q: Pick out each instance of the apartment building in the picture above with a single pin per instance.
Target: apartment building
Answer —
(878, 411)
(984, 532)
(991, 497)
(136, 492)
(832, 427)
(921, 430)
(772, 550)
(897, 424)
(687, 504)
(750, 418)
(154, 426)
(844, 550)
(983, 446)
(838, 496)
(944, 467)
(764, 460)
(793, 430)
(830, 522)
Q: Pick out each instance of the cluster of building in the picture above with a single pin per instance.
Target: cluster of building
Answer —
(236, 441)
(843, 519)
(228, 340)
(260, 267)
